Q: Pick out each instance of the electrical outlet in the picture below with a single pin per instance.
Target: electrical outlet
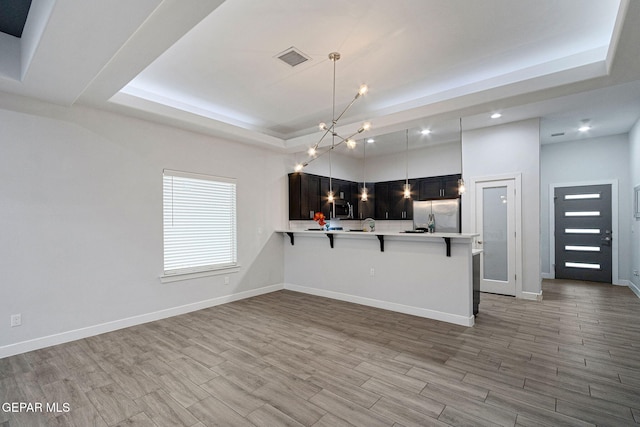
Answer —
(226, 280)
(372, 272)
(16, 320)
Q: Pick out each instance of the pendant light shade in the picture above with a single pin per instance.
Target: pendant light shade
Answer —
(407, 187)
(365, 195)
(330, 197)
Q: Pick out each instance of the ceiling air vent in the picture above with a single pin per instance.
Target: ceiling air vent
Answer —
(292, 57)
(558, 134)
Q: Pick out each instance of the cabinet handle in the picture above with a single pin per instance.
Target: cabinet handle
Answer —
(386, 215)
(311, 213)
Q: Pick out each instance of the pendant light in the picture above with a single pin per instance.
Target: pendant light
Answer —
(330, 197)
(461, 188)
(334, 56)
(407, 187)
(365, 196)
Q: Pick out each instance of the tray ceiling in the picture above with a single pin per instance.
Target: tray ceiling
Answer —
(214, 68)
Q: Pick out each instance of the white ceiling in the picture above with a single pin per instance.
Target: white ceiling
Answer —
(212, 67)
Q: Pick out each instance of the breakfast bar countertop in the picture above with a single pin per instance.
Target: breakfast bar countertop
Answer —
(383, 233)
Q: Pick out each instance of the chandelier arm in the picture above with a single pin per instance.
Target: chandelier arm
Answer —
(351, 136)
(329, 148)
(342, 140)
(345, 110)
(322, 137)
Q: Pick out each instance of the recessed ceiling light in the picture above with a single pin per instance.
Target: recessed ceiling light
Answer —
(371, 141)
(496, 115)
(425, 131)
(585, 125)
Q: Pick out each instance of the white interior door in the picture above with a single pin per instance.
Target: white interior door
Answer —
(496, 224)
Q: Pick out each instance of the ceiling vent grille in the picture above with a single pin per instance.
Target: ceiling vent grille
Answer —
(292, 57)
(558, 134)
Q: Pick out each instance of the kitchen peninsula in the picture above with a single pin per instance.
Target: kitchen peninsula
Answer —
(424, 274)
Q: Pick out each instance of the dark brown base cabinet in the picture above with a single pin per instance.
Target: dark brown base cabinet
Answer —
(308, 195)
(476, 283)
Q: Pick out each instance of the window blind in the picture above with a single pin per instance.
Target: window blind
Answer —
(199, 217)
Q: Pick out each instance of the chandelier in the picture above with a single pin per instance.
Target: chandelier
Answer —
(331, 129)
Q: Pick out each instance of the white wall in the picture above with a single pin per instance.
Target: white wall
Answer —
(81, 217)
(442, 159)
(413, 275)
(509, 149)
(582, 161)
(343, 166)
(634, 165)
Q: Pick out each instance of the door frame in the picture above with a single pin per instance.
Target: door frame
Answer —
(517, 183)
(614, 224)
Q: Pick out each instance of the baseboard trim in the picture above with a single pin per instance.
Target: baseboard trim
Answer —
(61, 338)
(401, 308)
(547, 275)
(532, 296)
(634, 288)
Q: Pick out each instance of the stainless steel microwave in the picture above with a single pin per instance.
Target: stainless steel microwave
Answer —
(342, 209)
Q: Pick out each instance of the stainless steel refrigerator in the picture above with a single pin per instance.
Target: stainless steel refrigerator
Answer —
(446, 213)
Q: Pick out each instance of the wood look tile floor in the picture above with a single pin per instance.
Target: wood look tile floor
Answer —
(289, 359)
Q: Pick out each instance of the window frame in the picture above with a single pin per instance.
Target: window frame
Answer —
(201, 270)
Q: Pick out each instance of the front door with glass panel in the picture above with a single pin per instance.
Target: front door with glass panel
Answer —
(583, 233)
(495, 222)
